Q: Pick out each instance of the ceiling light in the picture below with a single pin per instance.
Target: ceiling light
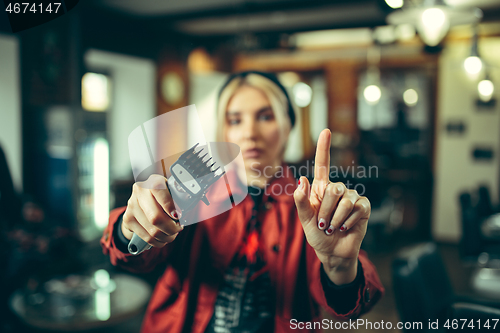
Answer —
(485, 89)
(410, 96)
(433, 25)
(372, 94)
(473, 65)
(303, 94)
(394, 3)
(434, 18)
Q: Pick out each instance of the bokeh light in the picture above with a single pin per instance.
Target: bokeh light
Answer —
(485, 89)
(433, 26)
(372, 94)
(410, 96)
(394, 3)
(473, 65)
(302, 93)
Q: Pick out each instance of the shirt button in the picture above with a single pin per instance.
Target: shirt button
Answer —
(276, 248)
(268, 205)
(367, 295)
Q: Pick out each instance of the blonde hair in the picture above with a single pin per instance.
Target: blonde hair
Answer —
(276, 97)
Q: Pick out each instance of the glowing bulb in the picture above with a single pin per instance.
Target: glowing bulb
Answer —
(433, 25)
(372, 94)
(410, 97)
(394, 3)
(302, 93)
(473, 65)
(485, 89)
(433, 17)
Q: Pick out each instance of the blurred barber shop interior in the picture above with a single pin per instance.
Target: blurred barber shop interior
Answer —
(410, 90)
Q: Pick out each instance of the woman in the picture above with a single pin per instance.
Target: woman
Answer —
(251, 269)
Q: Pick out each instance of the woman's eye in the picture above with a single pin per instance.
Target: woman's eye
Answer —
(266, 117)
(233, 121)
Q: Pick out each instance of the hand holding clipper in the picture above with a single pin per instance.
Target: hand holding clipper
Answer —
(154, 213)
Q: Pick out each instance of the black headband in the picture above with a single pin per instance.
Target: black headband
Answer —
(269, 76)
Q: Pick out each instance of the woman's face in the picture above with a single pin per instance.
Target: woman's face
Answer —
(250, 123)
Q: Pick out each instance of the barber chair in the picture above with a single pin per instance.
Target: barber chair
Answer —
(423, 291)
(480, 243)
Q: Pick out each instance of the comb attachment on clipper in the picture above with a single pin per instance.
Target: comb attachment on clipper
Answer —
(191, 177)
(200, 169)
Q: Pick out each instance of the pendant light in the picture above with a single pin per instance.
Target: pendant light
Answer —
(372, 91)
(433, 19)
(473, 64)
(485, 89)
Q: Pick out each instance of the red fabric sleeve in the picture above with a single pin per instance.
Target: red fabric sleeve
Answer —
(142, 263)
(369, 293)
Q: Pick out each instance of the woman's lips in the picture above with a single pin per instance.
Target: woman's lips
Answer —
(252, 153)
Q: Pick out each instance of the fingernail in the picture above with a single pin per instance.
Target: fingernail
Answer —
(343, 227)
(321, 223)
(330, 230)
(299, 181)
(174, 214)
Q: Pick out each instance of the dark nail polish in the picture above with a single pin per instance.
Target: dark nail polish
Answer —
(329, 231)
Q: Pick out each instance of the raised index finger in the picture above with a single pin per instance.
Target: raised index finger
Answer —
(322, 159)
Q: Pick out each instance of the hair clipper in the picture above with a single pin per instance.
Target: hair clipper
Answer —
(191, 178)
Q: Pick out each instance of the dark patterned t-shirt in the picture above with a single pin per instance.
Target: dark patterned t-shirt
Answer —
(244, 303)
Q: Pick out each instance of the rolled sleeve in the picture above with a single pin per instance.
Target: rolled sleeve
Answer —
(118, 252)
(352, 300)
(342, 298)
